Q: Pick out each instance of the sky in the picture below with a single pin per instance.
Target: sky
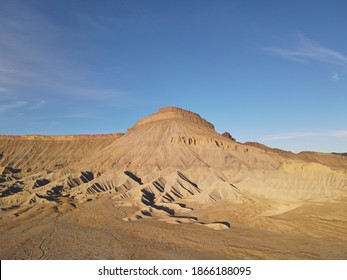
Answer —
(273, 72)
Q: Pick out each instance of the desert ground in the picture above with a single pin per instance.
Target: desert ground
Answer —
(171, 187)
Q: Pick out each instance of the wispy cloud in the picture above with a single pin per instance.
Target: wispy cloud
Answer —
(309, 50)
(336, 77)
(37, 105)
(296, 135)
(4, 90)
(78, 116)
(5, 94)
(341, 133)
(32, 57)
(12, 105)
(7, 70)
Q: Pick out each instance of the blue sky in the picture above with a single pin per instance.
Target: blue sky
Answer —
(274, 72)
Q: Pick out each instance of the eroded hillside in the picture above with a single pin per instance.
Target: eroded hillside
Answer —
(172, 169)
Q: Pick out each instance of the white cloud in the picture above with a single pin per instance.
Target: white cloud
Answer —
(13, 105)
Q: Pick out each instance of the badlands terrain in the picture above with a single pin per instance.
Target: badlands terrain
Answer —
(171, 187)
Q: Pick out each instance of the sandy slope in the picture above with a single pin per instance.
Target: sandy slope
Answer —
(171, 187)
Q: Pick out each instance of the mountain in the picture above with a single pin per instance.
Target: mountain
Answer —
(171, 168)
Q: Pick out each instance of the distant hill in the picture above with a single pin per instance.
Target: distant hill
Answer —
(340, 154)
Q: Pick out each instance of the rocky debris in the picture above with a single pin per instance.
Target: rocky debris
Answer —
(228, 135)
